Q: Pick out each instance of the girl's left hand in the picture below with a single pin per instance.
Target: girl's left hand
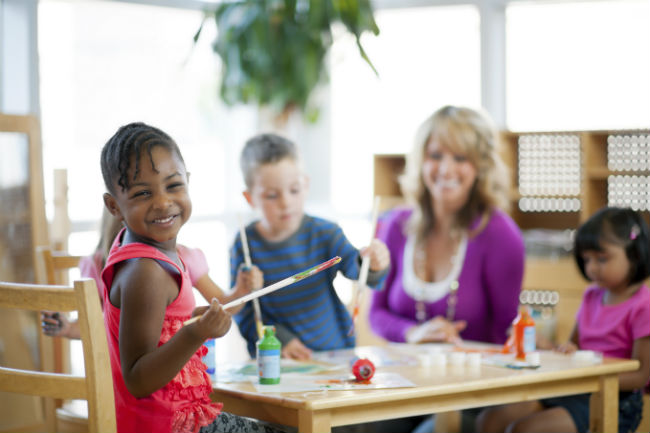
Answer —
(378, 253)
(54, 324)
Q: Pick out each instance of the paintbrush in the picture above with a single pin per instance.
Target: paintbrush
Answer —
(365, 267)
(248, 264)
(276, 286)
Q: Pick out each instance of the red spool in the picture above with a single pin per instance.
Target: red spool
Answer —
(363, 370)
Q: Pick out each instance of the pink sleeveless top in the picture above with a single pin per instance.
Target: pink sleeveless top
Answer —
(183, 405)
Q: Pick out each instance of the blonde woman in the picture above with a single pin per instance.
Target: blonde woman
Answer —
(457, 258)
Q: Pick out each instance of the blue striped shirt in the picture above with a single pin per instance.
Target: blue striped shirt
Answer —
(309, 309)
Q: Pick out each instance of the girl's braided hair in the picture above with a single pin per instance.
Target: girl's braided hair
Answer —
(129, 140)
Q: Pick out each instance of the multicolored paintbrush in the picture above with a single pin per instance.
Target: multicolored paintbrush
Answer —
(275, 286)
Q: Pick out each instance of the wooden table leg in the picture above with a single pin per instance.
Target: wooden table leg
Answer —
(314, 422)
(603, 406)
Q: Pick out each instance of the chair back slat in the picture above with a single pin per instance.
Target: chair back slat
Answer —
(96, 386)
(43, 384)
(56, 298)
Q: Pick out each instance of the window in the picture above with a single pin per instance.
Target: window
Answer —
(578, 65)
(97, 75)
(426, 58)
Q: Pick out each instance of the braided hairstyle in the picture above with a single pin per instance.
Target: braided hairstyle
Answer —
(132, 140)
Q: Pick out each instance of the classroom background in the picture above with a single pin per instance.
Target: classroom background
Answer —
(575, 69)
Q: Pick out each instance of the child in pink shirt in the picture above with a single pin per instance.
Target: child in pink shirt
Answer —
(612, 249)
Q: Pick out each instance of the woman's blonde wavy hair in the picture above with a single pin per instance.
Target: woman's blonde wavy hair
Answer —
(468, 132)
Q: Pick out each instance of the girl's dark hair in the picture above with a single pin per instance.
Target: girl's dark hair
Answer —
(621, 226)
(132, 139)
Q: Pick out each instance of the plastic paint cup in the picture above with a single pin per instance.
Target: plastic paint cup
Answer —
(474, 359)
(424, 359)
(533, 358)
(438, 359)
(584, 356)
(457, 358)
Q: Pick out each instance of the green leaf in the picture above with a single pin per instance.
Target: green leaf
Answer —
(273, 51)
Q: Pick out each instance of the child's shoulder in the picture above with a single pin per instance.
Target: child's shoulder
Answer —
(498, 224)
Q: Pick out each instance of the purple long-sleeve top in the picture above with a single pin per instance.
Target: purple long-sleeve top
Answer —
(489, 282)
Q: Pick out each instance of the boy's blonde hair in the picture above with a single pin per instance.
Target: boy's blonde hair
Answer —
(467, 132)
(265, 149)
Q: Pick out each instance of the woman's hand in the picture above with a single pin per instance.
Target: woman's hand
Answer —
(437, 329)
(294, 349)
(378, 254)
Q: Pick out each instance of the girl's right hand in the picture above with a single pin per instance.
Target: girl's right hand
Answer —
(214, 322)
(54, 324)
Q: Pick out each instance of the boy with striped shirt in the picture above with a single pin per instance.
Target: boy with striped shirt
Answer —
(307, 315)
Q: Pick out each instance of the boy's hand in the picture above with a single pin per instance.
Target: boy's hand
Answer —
(248, 279)
(214, 322)
(378, 253)
(567, 348)
(294, 349)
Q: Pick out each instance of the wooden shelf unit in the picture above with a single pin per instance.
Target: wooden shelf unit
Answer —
(561, 274)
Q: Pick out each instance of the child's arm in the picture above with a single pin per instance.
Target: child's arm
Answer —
(571, 345)
(246, 281)
(637, 379)
(379, 256)
(142, 289)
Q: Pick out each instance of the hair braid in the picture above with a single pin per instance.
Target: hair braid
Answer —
(129, 140)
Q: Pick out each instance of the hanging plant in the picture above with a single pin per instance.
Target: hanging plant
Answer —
(273, 51)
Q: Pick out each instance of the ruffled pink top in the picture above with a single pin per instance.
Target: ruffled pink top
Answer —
(183, 405)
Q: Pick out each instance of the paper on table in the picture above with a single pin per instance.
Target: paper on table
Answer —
(296, 382)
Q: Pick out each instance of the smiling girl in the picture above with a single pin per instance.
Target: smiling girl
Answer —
(159, 380)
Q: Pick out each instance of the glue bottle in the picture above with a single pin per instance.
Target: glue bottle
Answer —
(268, 357)
(210, 359)
(523, 329)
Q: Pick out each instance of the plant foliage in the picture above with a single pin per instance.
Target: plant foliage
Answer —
(273, 51)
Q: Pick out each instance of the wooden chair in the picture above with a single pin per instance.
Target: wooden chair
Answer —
(97, 385)
(52, 268)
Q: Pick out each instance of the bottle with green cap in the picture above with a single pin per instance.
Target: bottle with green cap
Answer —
(268, 357)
